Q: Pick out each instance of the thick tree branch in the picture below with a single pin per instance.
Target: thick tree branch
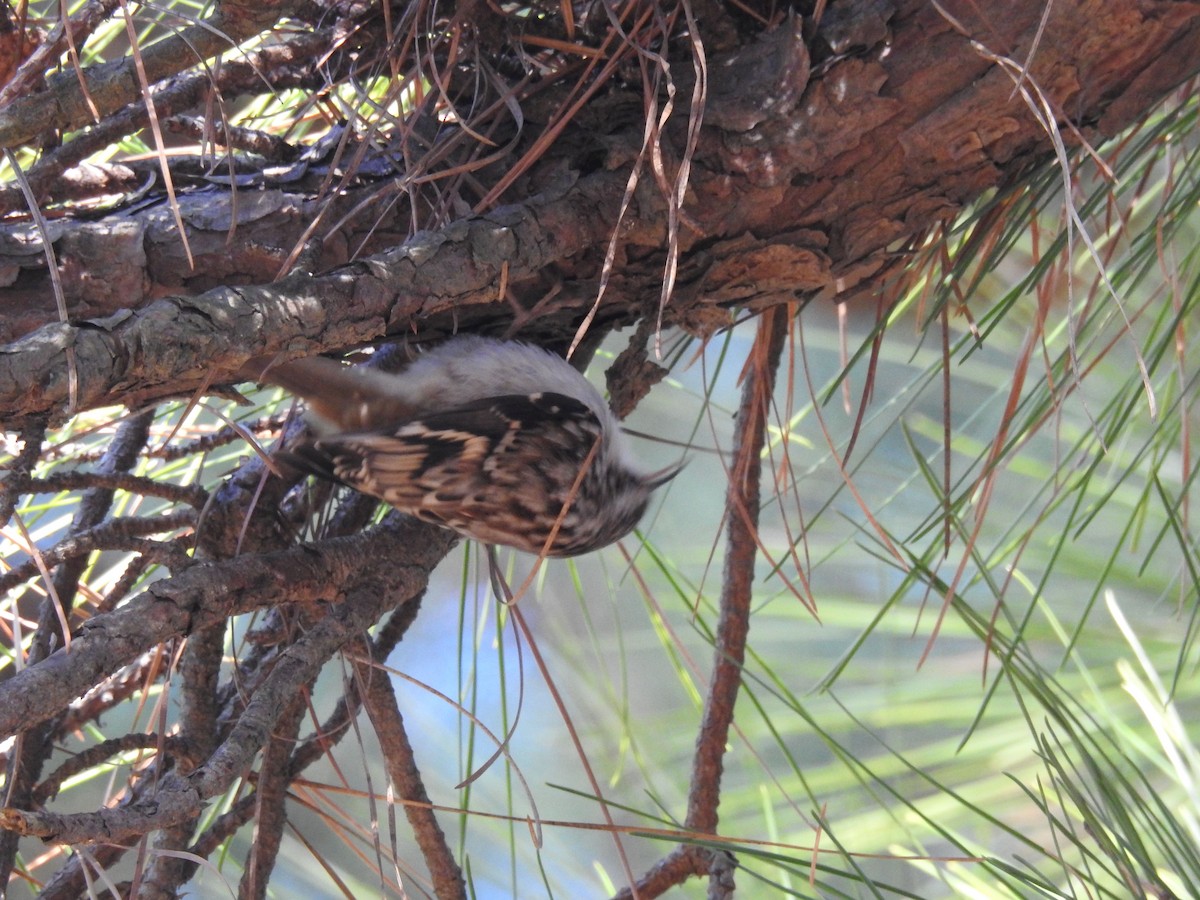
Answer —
(181, 797)
(183, 343)
(290, 61)
(209, 593)
(814, 198)
(65, 105)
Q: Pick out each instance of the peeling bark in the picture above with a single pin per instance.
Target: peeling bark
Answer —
(815, 195)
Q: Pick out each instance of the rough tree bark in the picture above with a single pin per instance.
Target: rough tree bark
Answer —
(825, 151)
(815, 190)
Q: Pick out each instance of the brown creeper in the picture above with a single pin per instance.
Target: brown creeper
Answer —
(500, 441)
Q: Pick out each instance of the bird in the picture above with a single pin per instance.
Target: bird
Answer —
(500, 441)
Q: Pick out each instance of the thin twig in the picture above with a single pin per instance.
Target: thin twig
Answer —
(733, 624)
(33, 435)
(379, 699)
(117, 534)
(35, 746)
(191, 494)
(270, 796)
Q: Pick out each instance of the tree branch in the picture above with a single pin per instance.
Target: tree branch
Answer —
(207, 594)
(814, 198)
(733, 624)
(180, 798)
(67, 105)
(379, 699)
(181, 344)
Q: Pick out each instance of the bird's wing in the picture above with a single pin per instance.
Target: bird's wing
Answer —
(493, 469)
